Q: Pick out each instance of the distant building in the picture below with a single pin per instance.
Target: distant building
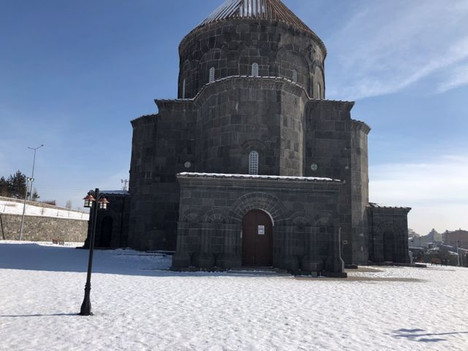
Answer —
(251, 165)
(456, 238)
(432, 239)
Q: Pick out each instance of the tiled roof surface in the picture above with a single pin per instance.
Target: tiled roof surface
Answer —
(273, 10)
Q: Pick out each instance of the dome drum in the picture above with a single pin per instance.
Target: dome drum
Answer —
(231, 48)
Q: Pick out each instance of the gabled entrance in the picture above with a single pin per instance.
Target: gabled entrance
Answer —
(257, 239)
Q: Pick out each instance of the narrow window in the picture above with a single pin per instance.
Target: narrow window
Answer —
(253, 162)
(255, 69)
(183, 89)
(319, 91)
(212, 75)
(294, 76)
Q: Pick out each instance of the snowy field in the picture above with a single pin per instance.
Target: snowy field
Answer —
(140, 305)
(16, 208)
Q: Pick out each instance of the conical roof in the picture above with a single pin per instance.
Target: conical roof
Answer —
(273, 10)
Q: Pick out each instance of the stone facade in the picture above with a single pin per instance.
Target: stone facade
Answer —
(251, 100)
(37, 228)
(303, 212)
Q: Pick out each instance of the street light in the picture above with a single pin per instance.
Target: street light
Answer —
(32, 173)
(95, 202)
(28, 180)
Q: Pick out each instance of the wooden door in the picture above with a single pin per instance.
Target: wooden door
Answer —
(257, 239)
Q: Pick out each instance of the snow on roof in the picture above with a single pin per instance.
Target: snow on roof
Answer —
(115, 192)
(237, 76)
(375, 205)
(252, 176)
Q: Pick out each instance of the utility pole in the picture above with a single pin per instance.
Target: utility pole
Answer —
(32, 173)
(24, 206)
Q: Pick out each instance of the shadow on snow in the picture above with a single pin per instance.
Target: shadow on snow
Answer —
(38, 257)
(420, 335)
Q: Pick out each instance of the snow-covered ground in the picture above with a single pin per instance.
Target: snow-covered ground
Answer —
(16, 208)
(139, 304)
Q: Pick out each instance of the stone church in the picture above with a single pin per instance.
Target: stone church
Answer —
(251, 165)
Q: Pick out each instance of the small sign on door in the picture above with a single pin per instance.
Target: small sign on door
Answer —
(261, 230)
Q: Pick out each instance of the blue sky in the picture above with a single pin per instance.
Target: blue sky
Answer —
(73, 74)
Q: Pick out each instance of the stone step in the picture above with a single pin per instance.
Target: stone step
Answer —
(259, 271)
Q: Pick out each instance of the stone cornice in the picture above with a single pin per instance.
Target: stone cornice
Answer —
(313, 103)
(275, 82)
(359, 125)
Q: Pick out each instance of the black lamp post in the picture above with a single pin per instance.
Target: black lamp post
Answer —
(94, 202)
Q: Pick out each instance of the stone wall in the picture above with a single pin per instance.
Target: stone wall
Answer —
(162, 146)
(243, 114)
(37, 228)
(328, 154)
(232, 47)
(304, 213)
(214, 133)
(359, 191)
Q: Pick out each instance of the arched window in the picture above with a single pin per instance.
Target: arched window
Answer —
(212, 75)
(255, 69)
(294, 76)
(253, 162)
(183, 89)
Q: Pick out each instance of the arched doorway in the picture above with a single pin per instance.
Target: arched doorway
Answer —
(389, 246)
(106, 232)
(257, 239)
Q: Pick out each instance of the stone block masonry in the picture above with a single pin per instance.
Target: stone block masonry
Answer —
(42, 222)
(43, 228)
(213, 228)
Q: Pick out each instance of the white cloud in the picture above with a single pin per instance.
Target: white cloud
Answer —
(457, 77)
(387, 46)
(436, 191)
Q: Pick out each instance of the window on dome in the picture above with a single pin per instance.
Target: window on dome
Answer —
(294, 76)
(183, 89)
(212, 75)
(255, 69)
(253, 162)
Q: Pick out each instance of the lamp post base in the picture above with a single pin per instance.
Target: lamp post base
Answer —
(86, 305)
